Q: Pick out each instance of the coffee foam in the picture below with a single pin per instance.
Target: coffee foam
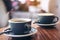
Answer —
(21, 19)
(45, 14)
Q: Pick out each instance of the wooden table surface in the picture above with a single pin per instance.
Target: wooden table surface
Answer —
(42, 34)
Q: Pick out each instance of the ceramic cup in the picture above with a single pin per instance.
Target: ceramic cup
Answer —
(47, 18)
(20, 25)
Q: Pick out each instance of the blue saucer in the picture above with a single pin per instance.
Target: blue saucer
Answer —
(32, 32)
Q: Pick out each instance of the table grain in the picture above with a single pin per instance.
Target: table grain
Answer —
(42, 33)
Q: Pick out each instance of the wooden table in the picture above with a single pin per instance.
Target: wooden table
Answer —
(42, 34)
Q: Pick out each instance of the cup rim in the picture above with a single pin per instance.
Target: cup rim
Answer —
(25, 19)
(45, 14)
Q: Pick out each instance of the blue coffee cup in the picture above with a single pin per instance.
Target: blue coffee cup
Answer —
(47, 18)
(20, 26)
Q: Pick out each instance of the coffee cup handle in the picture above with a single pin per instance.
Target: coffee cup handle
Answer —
(28, 26)
(37, 21)
(56, 19)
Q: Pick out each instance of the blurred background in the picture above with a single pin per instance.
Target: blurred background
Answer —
(26, 9)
